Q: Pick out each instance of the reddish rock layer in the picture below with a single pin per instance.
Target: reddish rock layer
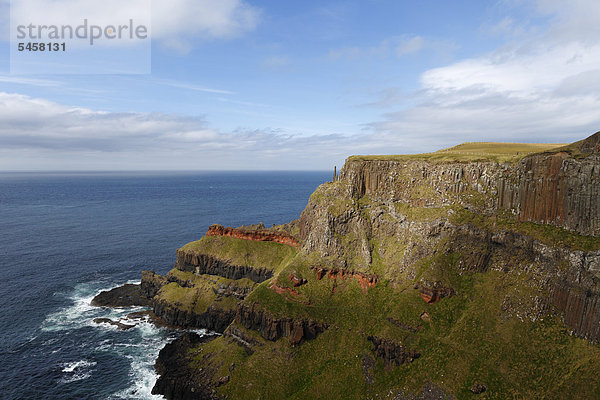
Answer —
(432, 295)
(364, 280)
(581, 310)
(254, 235)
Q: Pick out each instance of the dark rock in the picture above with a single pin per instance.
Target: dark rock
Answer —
(429, 391)
(223, 380)
(128, 295)
(242, 340)
(179, 379)
(204, 264)
(368, 363)
(118, 324)
(404, 326)
(478, 388)
(151, 283)
(391, 352)
(214, 318)
(271, 328)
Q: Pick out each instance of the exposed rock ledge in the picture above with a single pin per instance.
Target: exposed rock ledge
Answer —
(128, 295)
(254, 235)
(271, 328)
(200, 264)
(391, 352)
(214, 318)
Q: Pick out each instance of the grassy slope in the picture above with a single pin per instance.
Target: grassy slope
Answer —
(468, 339)
(269, 255)
(473, 151)
(198, 294)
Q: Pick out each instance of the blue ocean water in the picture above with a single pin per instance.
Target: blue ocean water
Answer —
(64, 237)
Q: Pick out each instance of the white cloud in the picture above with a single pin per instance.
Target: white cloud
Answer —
(175, 23)
(542, 85)
(180, 20)
(409, 45)
(196, 88)
(29, 81)
(37, 133)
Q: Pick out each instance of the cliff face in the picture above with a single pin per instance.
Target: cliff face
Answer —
(201, 264)
(547, 188)
(375, 200)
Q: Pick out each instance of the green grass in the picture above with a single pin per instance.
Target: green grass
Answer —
(269, 255)
(424, 214)
(471, 152)
(198, 294)
(547, 234)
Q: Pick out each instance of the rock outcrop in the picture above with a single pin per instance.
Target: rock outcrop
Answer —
(491, 247)
(179, 379)
(548, 188)
(392, 353)
(151, 283)
(128, 295)
(254, 235)
(109, 321)
(214, 318)
(271, 328)
(200, 264)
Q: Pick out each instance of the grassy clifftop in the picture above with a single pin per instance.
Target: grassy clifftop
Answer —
(268, 255)
(471, 152)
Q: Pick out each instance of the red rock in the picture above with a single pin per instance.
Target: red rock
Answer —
(297, 281)
(253, 235)
(364, 280)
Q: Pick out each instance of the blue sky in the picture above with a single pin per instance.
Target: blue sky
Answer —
(264, 84)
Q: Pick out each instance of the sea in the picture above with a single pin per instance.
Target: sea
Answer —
(64, 237)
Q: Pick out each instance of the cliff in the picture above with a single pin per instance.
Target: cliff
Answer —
(469, 272)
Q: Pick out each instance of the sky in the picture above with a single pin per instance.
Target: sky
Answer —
(302, 85)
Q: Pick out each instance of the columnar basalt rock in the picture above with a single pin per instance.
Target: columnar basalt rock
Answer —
(392, 353)
(151, 283)
(200, 264)
(254, 235)
(214, 318)
(272, 328)
(550, 188)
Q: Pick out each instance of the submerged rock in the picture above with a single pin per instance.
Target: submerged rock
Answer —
(118, 324)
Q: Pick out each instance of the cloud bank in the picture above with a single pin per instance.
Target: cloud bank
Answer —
(542, 85)
(34, 131)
